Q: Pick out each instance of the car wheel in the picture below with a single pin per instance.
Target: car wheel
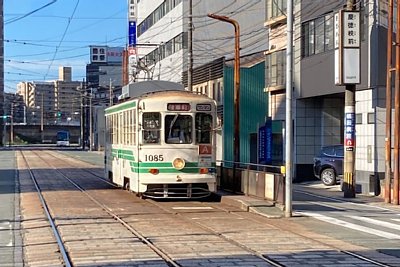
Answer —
(328, 176)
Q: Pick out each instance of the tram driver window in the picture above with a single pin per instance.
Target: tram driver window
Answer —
(151, 127)
(178, 129)
(203, 128)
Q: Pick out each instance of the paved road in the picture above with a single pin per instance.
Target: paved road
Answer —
(10, 239)
(364, 221)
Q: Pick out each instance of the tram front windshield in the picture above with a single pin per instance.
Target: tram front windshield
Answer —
(178, 128)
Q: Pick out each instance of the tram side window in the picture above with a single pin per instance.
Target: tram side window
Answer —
(108, 129)
(115, 129)
(133, 127)
(178, 129)
(151, 127)
(203, 128)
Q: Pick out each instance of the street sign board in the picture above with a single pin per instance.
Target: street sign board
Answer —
(347, 47)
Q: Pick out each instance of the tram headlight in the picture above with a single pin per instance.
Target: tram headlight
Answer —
(178, 163)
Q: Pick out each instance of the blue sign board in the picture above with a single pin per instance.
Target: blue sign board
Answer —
(349, 131)
(265, 143)
(132, 33)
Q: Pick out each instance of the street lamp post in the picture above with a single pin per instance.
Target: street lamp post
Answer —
(236, 84)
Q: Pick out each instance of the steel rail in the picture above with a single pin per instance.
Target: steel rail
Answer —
(229, 240)
(253, 252)
(142, 238)
(63, 251)
(356, 255)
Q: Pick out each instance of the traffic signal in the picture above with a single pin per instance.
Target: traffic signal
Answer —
(59, 114)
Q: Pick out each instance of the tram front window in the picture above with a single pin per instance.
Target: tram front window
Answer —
(151, 127)
(178, 129)
(203, 128)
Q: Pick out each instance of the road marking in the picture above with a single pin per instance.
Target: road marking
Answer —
(342, 201)
(376, 222)
(351, 225)
(192, 208)
(7, 225)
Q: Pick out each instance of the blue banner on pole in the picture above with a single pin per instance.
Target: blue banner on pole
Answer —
(265, 143)
(132, 33)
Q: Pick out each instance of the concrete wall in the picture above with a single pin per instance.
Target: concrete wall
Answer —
(32, 133)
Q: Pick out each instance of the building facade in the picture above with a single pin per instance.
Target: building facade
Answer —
(54, 102)
(162, 34)
(104, 74)
(319, 103)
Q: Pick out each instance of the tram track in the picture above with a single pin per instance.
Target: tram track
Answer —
(231, 241)
(63, 250)
(219, 235)
(288, 229)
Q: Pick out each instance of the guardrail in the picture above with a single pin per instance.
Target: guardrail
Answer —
(257, 180)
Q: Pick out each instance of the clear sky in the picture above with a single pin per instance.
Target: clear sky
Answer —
(41, 35)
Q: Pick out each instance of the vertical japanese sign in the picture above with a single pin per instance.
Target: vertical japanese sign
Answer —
(132, 39)
(349, 128)
(347, 47)
(265, 143)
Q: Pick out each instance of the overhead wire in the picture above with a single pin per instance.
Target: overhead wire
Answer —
(62, 38)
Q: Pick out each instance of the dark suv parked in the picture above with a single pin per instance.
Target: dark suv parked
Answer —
(328, 165)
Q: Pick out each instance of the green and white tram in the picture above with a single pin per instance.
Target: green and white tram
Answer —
(162, 144)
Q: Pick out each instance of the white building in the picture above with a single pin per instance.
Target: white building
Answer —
(163, 29)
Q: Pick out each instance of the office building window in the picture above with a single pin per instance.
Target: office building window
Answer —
(275, 8)
(275, 69)
(157, 14)
(371, 118)
(317, 35)
(359, 118)
(170, 47)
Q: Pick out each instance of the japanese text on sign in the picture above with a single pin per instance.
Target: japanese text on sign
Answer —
(351, 29)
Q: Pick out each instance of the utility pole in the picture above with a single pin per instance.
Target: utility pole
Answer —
(190, 47)
(388, 140)
(111, 93)
(41, 119)
(90, 121)
(82, 117)
(397, 113)
(12, 125)
(236, 78)
(349, 154)
(288, 119)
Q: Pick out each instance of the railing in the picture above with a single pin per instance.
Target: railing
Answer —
(261, 181)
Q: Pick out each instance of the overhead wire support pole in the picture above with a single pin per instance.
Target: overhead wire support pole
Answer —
(190, 47)
(41, 119)
(397, 113)
(388, 140)
(236, 145)
(288, 119)
(349, 154)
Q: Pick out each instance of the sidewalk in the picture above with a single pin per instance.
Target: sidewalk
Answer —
(270, 209)
(250, 204)
(10, 236)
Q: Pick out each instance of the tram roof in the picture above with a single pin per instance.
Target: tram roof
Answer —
(137, 89)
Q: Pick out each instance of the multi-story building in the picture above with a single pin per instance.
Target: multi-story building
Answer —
(58, 102)
(14, 108)
(319, 103)
(104, 73)
(162, 34)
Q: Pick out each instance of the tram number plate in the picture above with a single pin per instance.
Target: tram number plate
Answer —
(153, 157)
